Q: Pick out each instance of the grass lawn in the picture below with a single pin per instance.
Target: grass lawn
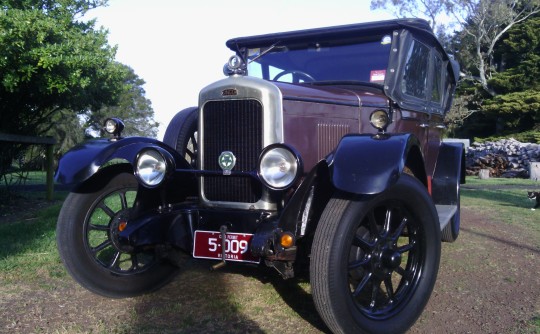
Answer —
(29, 261)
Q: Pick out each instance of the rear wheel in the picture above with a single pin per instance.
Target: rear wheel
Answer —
(450, 232)
(181, 134)
(87, 239)
(375, 259)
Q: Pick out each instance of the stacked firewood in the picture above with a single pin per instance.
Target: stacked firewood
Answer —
(503, 158)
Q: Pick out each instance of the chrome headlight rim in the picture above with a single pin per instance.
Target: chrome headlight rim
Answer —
(293, 169)
(152, 166)
(379, 119)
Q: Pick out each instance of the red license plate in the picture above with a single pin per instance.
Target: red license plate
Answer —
(208, 246)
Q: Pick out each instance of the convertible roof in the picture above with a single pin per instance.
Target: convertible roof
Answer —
(335, 33)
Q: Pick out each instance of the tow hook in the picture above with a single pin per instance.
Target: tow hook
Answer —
(223, 263)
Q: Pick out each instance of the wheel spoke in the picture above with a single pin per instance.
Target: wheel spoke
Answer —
(406, 274)
(123, 200)
(134, 262)
(361, 243)
(362, 284)
(193, 142)
(115, 262)
(94, 227)
(374, 294)
(400, 228)
(389, 288)
(106, 209)
(373, 228)
(101, 246)
(387, 220)
(406, 248)
(190, 154)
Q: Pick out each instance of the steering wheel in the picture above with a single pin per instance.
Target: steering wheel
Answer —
(297, 75)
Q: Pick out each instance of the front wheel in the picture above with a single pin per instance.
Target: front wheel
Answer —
(87, 238)
(375, 259)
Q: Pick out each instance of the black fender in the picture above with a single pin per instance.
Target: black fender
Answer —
(449, 173)
(308, 201)
(367, 164)
(84, 160)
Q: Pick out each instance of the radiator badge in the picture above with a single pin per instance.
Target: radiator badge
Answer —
(229, 92)
(226, 161)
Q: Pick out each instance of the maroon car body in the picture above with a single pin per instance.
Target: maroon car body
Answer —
(320, 152)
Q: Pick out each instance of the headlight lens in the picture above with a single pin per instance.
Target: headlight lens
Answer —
(379, 119)
(151, 167)
(113, 126)
(279, 166)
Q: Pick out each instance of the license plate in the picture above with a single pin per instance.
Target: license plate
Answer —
(207, 245)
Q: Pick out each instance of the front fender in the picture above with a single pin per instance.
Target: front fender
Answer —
(369, 164)
(85, 159)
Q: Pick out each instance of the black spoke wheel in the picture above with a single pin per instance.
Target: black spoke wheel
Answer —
(87, 236)
(375, 259)
(182, 134)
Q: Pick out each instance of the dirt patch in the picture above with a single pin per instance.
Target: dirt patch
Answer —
(488, 282)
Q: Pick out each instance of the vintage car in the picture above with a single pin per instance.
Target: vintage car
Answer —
(319, 153)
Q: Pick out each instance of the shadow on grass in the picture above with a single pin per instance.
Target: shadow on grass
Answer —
(28, 225)
(507, 197)
(235, 299)
(502, 240)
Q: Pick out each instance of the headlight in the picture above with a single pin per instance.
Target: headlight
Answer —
(114, 126)
(379, 119)
(279, 166)
(151, 167)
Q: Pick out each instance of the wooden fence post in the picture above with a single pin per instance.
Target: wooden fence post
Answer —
(50, 172)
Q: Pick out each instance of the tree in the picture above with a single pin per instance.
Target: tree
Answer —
(483, 24)
(517, 102)
(429, 9)
(133, 107)
(51, 61)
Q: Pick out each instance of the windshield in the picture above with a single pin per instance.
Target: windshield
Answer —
(366, 61)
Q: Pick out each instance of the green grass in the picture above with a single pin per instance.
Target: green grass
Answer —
(509, 202)
(473, 180)
(28, 248)
(28, 178)
(29, 260)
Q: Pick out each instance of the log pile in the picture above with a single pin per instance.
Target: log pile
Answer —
(504, 158)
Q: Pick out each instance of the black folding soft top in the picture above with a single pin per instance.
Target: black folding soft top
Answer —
(335, 33)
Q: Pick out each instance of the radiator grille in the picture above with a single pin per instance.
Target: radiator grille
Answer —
(236, 126)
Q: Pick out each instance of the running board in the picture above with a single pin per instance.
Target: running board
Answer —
(446, 212)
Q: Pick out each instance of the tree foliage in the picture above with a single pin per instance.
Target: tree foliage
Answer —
(54, 68)
(483, 25)
(429, 9)
(133, 107)
(49, 61)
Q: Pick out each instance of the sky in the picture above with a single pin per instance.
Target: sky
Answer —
(178, 47)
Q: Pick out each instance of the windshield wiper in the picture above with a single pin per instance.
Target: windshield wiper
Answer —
(270, 48)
